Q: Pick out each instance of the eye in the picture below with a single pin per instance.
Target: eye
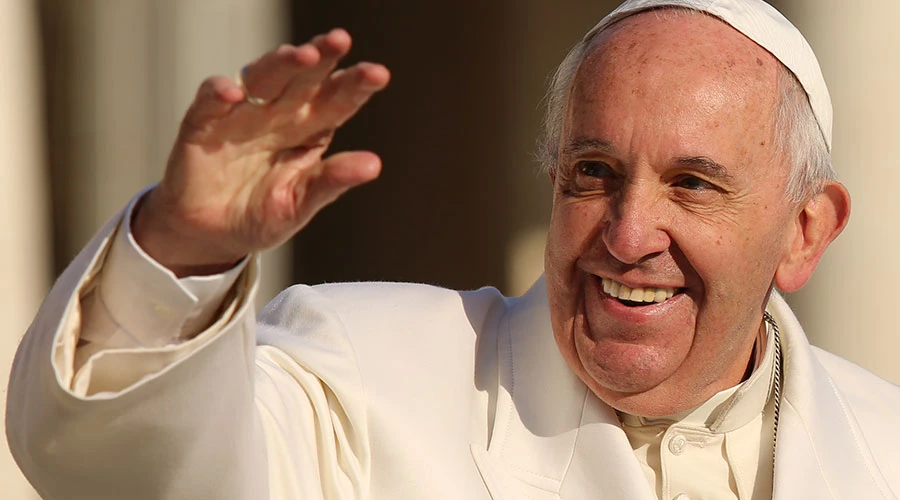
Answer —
(693, 183)
(592, 177)
(594, 169)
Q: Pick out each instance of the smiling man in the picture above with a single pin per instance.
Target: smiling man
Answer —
(672, 213)
(688, 142)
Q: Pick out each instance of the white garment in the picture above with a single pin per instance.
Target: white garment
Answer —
(387, 391)
(728, 440)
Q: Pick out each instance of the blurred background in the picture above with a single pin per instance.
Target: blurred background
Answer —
(93, 90)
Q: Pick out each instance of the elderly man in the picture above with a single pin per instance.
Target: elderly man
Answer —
(688, 144)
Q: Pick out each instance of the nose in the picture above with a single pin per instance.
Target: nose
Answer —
(635, 227)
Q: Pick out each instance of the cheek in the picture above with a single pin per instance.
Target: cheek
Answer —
(569, 237)
(736, 269)
(573, 228)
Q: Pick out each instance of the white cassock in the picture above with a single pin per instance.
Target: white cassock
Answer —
(377, 391)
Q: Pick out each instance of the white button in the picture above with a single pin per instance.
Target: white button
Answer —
(676, 445)
(682, 496)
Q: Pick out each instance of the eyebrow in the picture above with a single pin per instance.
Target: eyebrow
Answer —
(706, 165)
(582, 145)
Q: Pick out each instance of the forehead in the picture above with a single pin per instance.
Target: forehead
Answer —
(674, 49)
(686, 70)
(679, 34)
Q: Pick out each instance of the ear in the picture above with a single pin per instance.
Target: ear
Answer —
(817, 224)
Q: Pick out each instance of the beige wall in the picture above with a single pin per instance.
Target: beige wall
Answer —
(846, 308)
(24, 245)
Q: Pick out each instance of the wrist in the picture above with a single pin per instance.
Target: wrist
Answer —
(185, 252)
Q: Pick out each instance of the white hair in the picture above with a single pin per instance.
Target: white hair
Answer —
(797, 134)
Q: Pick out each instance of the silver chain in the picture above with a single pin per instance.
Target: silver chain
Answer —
(777, 390)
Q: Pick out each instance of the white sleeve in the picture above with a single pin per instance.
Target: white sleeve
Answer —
(170, 421)
(135, 302)
(161, 413)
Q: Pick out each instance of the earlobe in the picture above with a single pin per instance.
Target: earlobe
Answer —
(818, 223)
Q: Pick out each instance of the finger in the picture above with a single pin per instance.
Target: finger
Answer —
(346, 92)
(268, 77)
(332, 47)
(313, 124)
(333, 177)
(215, 99)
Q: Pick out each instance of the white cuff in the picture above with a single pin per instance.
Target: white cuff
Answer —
(146, 304)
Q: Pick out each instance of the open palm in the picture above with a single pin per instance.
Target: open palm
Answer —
(246, 174)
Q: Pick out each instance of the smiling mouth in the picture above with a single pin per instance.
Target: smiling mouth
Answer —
(636, 297)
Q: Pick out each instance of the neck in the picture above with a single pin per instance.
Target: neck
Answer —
(758, 351)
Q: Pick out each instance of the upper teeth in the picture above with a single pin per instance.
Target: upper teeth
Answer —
(648, 294)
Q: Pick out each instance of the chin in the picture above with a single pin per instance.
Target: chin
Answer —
(629, 358)
(623, 368)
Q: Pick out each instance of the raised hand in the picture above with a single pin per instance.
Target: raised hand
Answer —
(248, 169)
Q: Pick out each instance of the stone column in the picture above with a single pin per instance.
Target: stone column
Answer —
(24, 247)
(848, 307)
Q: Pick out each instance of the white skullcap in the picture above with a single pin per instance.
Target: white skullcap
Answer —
(761, 23)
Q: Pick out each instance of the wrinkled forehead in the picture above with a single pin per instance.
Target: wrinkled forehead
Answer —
(765, 26)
